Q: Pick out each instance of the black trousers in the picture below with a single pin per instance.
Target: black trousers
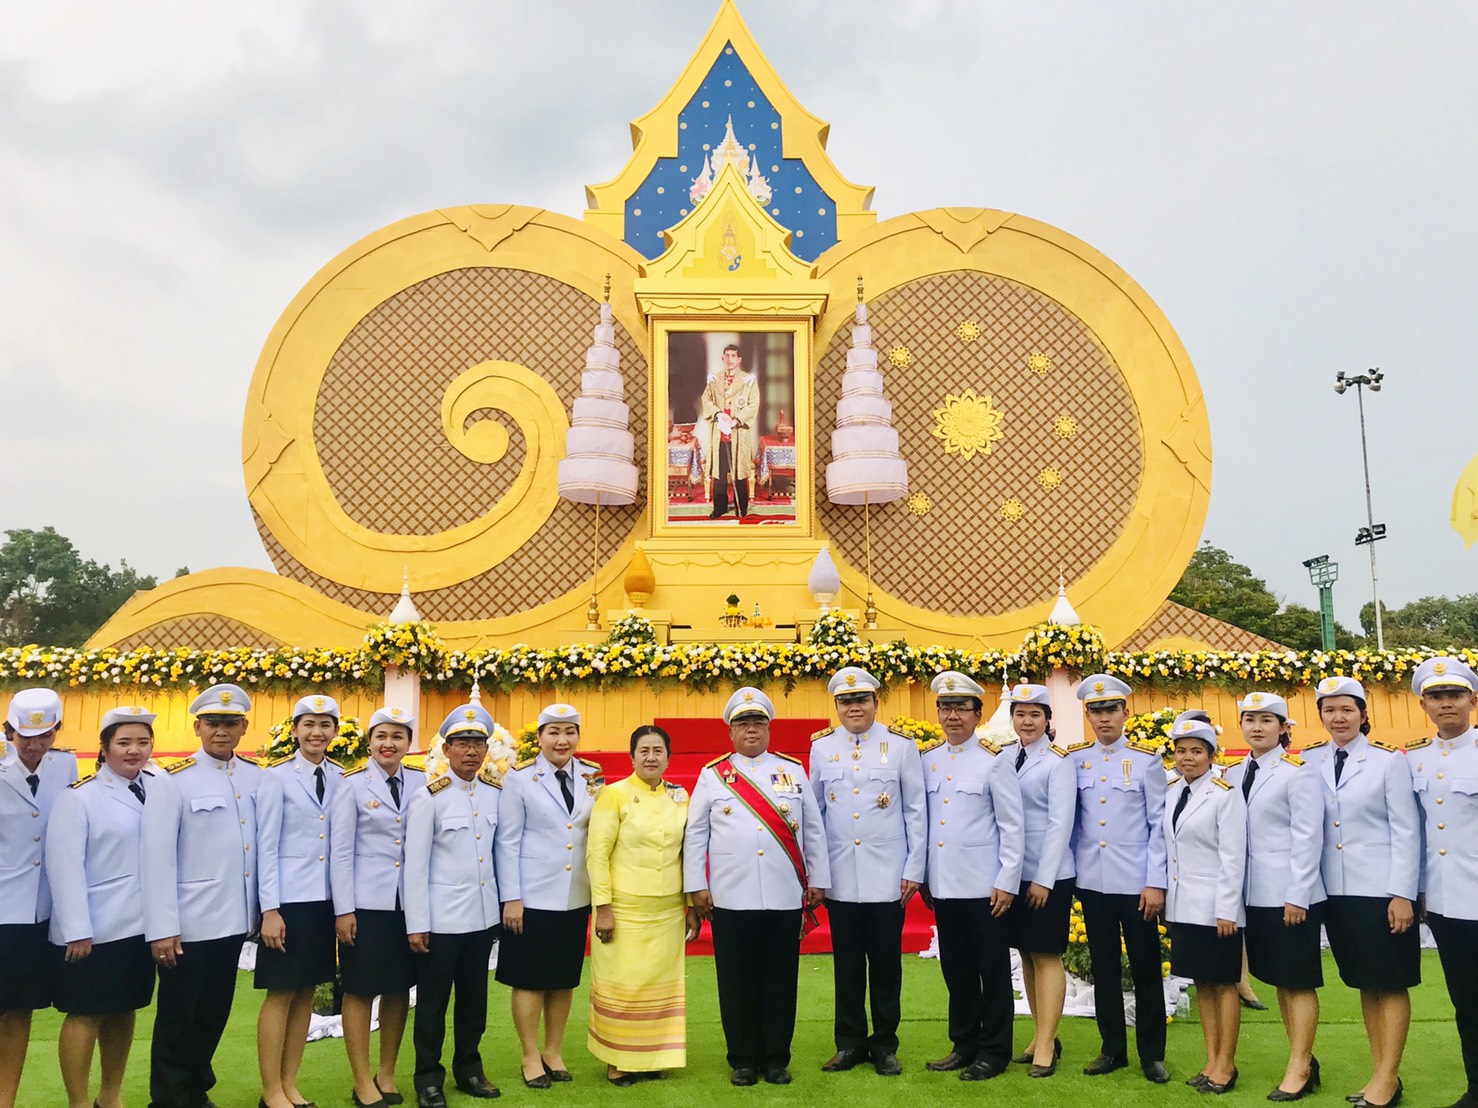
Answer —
(867, 953)
(975, 956)
(723, 467)
(1105, 915)
(757, 957)
(1457, 946)
(454, 962)
(193, 1007)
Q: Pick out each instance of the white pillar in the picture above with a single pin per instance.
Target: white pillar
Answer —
(1067, 710)
(403, 691)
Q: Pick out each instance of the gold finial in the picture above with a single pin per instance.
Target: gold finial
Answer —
(608, 288)
(859, 288)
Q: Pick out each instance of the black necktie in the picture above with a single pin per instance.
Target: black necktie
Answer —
(564, 787)
(1247, 780)
(1339, 764)
(318, 783)
(1185, 796)
(1020, 759)
(35, 783)
(137, 790)
(394, 783)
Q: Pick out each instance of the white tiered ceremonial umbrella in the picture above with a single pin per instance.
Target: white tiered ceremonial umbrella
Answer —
(866, 467)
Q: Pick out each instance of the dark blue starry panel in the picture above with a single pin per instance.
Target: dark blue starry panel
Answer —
(797, 201)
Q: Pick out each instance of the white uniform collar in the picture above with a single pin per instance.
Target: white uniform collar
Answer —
(1266, 761)
(544, 765)
(386, 776)
(1040, 745)
(1110, 748)
(1356, 746)
(204, 759)
(1467, 738)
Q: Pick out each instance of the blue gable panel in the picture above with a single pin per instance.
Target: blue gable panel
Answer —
(729, 91)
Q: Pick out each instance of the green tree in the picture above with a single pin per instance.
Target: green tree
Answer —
(50, 594)
(1227, 590)
(1438, 622)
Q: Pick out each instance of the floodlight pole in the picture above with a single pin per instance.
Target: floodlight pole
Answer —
(1380, 637)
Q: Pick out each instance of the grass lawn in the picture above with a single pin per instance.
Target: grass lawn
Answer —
(1432, 1069)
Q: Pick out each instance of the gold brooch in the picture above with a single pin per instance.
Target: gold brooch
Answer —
(884, 799)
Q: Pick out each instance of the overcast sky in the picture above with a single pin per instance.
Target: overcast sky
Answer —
(1293, 183)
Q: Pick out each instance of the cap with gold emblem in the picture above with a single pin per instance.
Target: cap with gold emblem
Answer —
(952, 683)
(469, 719)
(392, 715)
(1339, 686)
(1443, 672)
(748, 701)
(1099, 688)
(1194, 729)
(34, 712)
(852, 679)
(128, 715)
(559, 713)
(316, 705)
(221, 700)
(1031, 694)
(1265, 702)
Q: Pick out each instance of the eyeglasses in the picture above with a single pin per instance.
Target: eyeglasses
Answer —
(471, 741)
(955, 709)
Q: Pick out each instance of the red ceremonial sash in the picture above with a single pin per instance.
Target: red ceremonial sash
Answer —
(758, 802)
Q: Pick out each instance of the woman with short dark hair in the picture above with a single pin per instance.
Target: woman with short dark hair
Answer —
(638, 1013)
(93, 847)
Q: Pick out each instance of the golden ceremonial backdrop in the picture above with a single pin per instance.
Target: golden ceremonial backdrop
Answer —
(409, 411)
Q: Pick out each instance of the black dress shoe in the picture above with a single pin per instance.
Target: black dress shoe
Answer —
(1026, 1056)
(980, 1070)
(1042, 1071)
(777, 1075)
(1216, 1088)
(542, 1081)
(480, 1087)
(1310, 1084)
(1022, 1059)
(625, 1081)
(1105, 1063)
(555, 1075)
(1467, 1100)
(381, 1103)
(1255, 1004)
(1197, 1081)
(391, 1099)
(744, 1077)
(844, 1060)
(1156, 1072)
(1366, 1102)
(430, 1098)
(954, 1060)
(886, 1064)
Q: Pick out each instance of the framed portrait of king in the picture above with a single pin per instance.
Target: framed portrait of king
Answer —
(734, 448)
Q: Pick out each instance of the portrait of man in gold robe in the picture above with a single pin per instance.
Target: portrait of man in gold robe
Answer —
(727, 412)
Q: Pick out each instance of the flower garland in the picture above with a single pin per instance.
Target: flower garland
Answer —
(834, 629)
(920, 731)
(631, 658)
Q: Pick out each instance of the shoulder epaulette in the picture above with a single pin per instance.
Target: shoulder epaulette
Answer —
(1292, 759)
(932, 744)
(992, 747)
(147, 770)
(83, 780)
(1222, 783)
(250, 760)
(1011, 741)
(273, 763)
(1315, 745)
(1173, 779)
(414, 761)
(439, 784)
(65, 750)
(900, 734)
(1230, 760)
(1060, 751)
(789, 758)
(1382, 744)
(421, 769)
(352, 772)
(1084, 745)
(526, 763)
(337, 765)
(1144, 746)
(183, 763)
(1417, 744)
(822, 733)
(486, 776)
(716, 761)
(588, 764)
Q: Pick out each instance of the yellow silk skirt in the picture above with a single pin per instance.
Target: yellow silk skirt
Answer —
(638, 986)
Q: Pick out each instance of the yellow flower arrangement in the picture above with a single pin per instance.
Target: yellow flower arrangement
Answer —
(1076, 961)
(921, 731)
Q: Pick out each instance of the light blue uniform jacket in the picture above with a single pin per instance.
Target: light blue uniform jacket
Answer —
(541, 844)
(1206, 851)
(25, 896)
(1285, 831)
(1444, 773)
(451, 886)
(94, 842)
(1372, 825)
(975, 819)
(870, 790)
(295, 832)
(1119, 842)
(1049, 801)
(368, 845)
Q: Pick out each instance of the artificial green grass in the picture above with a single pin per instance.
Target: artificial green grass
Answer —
(1432, 1068)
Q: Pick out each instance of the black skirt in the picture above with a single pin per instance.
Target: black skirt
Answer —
(549, 954)
(116, 977)
(310, 956)
(1285, 957)
(1198, 952)
(1042, 930)
(380, 961)
(1367, 954)
(31, 964)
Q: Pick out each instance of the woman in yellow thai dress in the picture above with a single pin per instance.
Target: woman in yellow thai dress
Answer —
(638, 1015)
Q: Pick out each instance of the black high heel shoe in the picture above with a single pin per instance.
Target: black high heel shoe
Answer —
(1025, 1057)
(1217, 1089)
(1310, 1084)
(1395, 1099)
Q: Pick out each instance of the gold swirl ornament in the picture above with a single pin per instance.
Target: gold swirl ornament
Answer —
(285, 475)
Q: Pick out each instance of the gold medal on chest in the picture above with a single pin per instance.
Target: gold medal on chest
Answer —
(784, 808)
(884, 799)
(1128, 770)
(373, 804)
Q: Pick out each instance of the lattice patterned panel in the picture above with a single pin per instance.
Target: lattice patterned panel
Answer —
(968, 330)
(199, 633)
(377, 428)
(1177, 621)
